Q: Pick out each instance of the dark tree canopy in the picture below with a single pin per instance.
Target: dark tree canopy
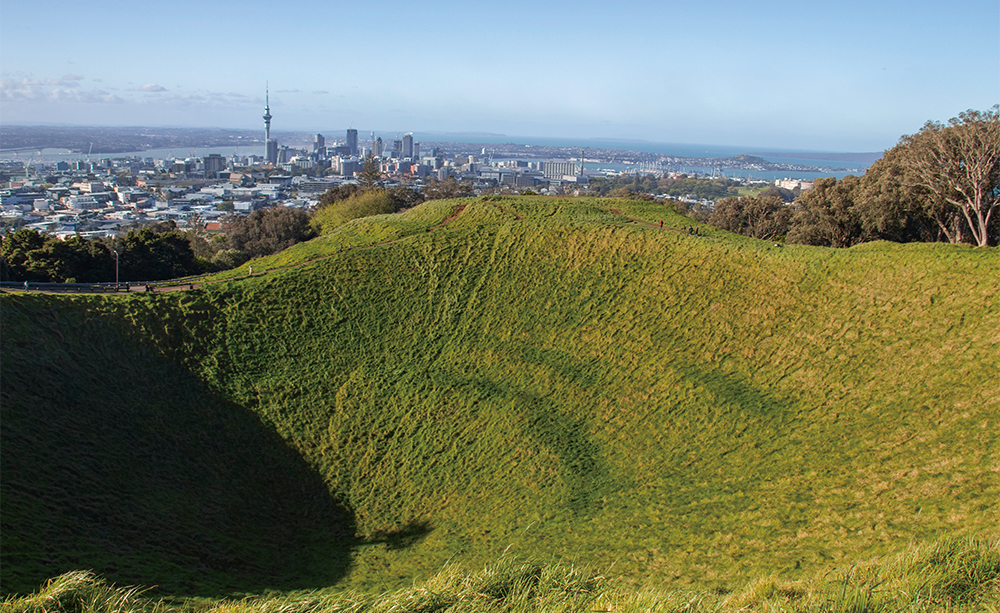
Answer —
(764, 217)
(268, 231)
(404, 198)
(824, 215)
(144, 255)
(889, 209)
(787, 195)
(709, 189)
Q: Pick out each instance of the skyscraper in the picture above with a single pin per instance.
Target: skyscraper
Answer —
(377, 147)
(270, 146)
(352, 141)
(407, 151)
(319, 142)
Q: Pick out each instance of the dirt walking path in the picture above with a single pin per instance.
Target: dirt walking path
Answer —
(506, 212)
(458, 211)
(646, 223)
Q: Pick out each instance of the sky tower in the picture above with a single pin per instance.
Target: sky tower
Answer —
(270, 146)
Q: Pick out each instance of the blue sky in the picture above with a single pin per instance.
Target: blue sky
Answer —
(842, 76)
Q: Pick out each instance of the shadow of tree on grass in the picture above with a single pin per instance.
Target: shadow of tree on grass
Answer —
(407, 536)
(117, 460)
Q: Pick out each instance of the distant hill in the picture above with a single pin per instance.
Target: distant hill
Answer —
(867, 158)
(102, 140)
(556, 378)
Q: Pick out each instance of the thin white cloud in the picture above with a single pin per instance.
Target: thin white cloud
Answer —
(22, 89)
(67, 81)
(90, 97)
(25, 97)
(27, 89)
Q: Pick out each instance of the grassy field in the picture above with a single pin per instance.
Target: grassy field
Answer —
(551, 379)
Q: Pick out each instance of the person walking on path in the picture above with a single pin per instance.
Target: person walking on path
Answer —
(661, 224)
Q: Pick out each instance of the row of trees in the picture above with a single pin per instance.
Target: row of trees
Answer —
(146, 254)
(158, 251)
(676, 187)
(941, 184)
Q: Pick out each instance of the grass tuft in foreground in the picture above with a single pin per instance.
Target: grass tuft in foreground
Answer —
(955, 575)
(81, 591)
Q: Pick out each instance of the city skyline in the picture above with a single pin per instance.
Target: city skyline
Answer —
(837, 76)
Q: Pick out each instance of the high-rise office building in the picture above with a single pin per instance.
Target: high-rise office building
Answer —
(377, 147)
(319, 141)
(558, 170)
(352, 140)
(407, 150)
(214, 164)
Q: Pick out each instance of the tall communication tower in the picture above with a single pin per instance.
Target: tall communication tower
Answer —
(270, 146)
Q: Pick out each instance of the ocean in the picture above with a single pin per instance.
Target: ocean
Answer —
(853, 164)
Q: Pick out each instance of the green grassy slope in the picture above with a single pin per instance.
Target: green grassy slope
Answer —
(116, 459)
(548, 377)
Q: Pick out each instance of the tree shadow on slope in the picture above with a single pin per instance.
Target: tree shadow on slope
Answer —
(580, 463)
(405, 537)
(117, 460)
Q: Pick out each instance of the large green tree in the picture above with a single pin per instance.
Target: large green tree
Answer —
(15, 250)
(888, 207)
(146, 255)
(29, 255)
(764, 217)
(958, 166)
(825, 215)
(371, 174)
(74, 260)
(268, 231)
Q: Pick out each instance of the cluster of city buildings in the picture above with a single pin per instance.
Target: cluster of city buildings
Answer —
(402, 159)
(111, 195)
(107, 196)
